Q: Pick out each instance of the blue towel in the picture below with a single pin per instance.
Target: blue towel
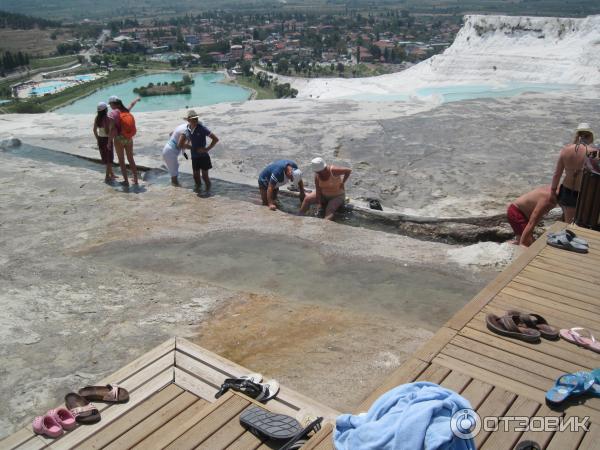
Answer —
(409, 417)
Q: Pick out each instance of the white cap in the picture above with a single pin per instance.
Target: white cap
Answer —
(296, 175)
(113, 99)
(584, 127)
(318, 164)
(101, 106)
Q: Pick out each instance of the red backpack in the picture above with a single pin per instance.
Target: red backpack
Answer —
(128, 129)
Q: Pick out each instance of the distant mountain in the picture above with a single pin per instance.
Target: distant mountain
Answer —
(111, 9)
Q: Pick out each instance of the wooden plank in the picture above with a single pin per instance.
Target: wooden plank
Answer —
(133, 417)
(531, 353)
(193, 384)
(563, 291)
(286, 399)
(456, 381)
(541, 437)
(325, 433)
(163, 415)
(571, 258)
(433, 346)
(572, 272)
(17, 438)
(224, 436)
(326, 444)
(434, 374)
(35, 443)
(506, 437)
(476, 392)
(591, 438)
(560, 261)
(140, 363)
(496, 404)
(109, 414)
(170, 431)
(246, 441)
(567, 439)
(508, 371)
(558, 349)
(220, 414)
(511, 385)
(537, 296)
(555, 279)
(406, 373)
(510, 359)
(461, 318)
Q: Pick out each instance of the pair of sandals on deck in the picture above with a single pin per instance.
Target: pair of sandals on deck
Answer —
(78, 409)
(527, 327)
(568, 240)
(251, 386)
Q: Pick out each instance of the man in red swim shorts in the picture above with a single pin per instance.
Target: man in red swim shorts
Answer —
(526, 212)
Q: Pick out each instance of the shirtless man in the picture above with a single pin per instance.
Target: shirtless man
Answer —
(526, 212)
(570, 161)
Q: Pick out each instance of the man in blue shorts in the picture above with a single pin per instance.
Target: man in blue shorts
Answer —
(277, 174)
(194, 138)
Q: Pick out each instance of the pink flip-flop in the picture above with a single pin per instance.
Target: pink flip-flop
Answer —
(46, 425)
(63, 417)
(582, 337)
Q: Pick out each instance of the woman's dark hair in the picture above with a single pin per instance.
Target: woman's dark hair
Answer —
(100, 117)
(121, 106)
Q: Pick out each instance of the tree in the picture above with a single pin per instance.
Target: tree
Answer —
(247, 68)
(283, 66)
(340, 68)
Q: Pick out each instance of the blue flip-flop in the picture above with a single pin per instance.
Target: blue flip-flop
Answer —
(569, 384)
(595, 389)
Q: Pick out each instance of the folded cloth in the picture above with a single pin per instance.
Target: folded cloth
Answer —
(409, 417)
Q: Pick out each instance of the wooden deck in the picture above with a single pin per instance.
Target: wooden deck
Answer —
(507, 377)
(172, 387)
(172, 406)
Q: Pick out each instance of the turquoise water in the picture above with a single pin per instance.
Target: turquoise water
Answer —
(464, 92)
(49, 88)
(205, 91)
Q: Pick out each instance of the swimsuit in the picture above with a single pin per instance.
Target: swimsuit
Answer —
(567, 197)
(517, 219)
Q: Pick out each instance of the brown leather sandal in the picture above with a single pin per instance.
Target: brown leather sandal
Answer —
(111, 393)
(83, 411)
(511, 326)
(536, 322)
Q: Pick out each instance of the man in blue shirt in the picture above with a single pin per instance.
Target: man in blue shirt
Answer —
(194, 138)
(275, 175)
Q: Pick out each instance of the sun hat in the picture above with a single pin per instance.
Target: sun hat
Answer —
(584, 127)
(191, 114)
(113, 99)
(102, 106)
(318, 164)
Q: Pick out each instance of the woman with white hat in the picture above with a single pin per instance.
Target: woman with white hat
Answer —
(101, 131)
(330, 192)
(570, 162)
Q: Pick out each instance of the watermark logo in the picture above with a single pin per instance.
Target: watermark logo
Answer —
(465, 423)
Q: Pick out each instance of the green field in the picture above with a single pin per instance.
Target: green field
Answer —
(113, 9)
(261, 92)
(52, 62)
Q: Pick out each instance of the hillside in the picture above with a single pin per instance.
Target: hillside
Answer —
(491, 50)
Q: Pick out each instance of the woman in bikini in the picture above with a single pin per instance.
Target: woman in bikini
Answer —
(101, 129)
(330, 192)
(570, 162)
(123, 144)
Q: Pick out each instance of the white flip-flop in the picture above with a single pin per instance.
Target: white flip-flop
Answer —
(270, 390)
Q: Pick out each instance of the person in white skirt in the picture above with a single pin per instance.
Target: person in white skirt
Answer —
(171, 151)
